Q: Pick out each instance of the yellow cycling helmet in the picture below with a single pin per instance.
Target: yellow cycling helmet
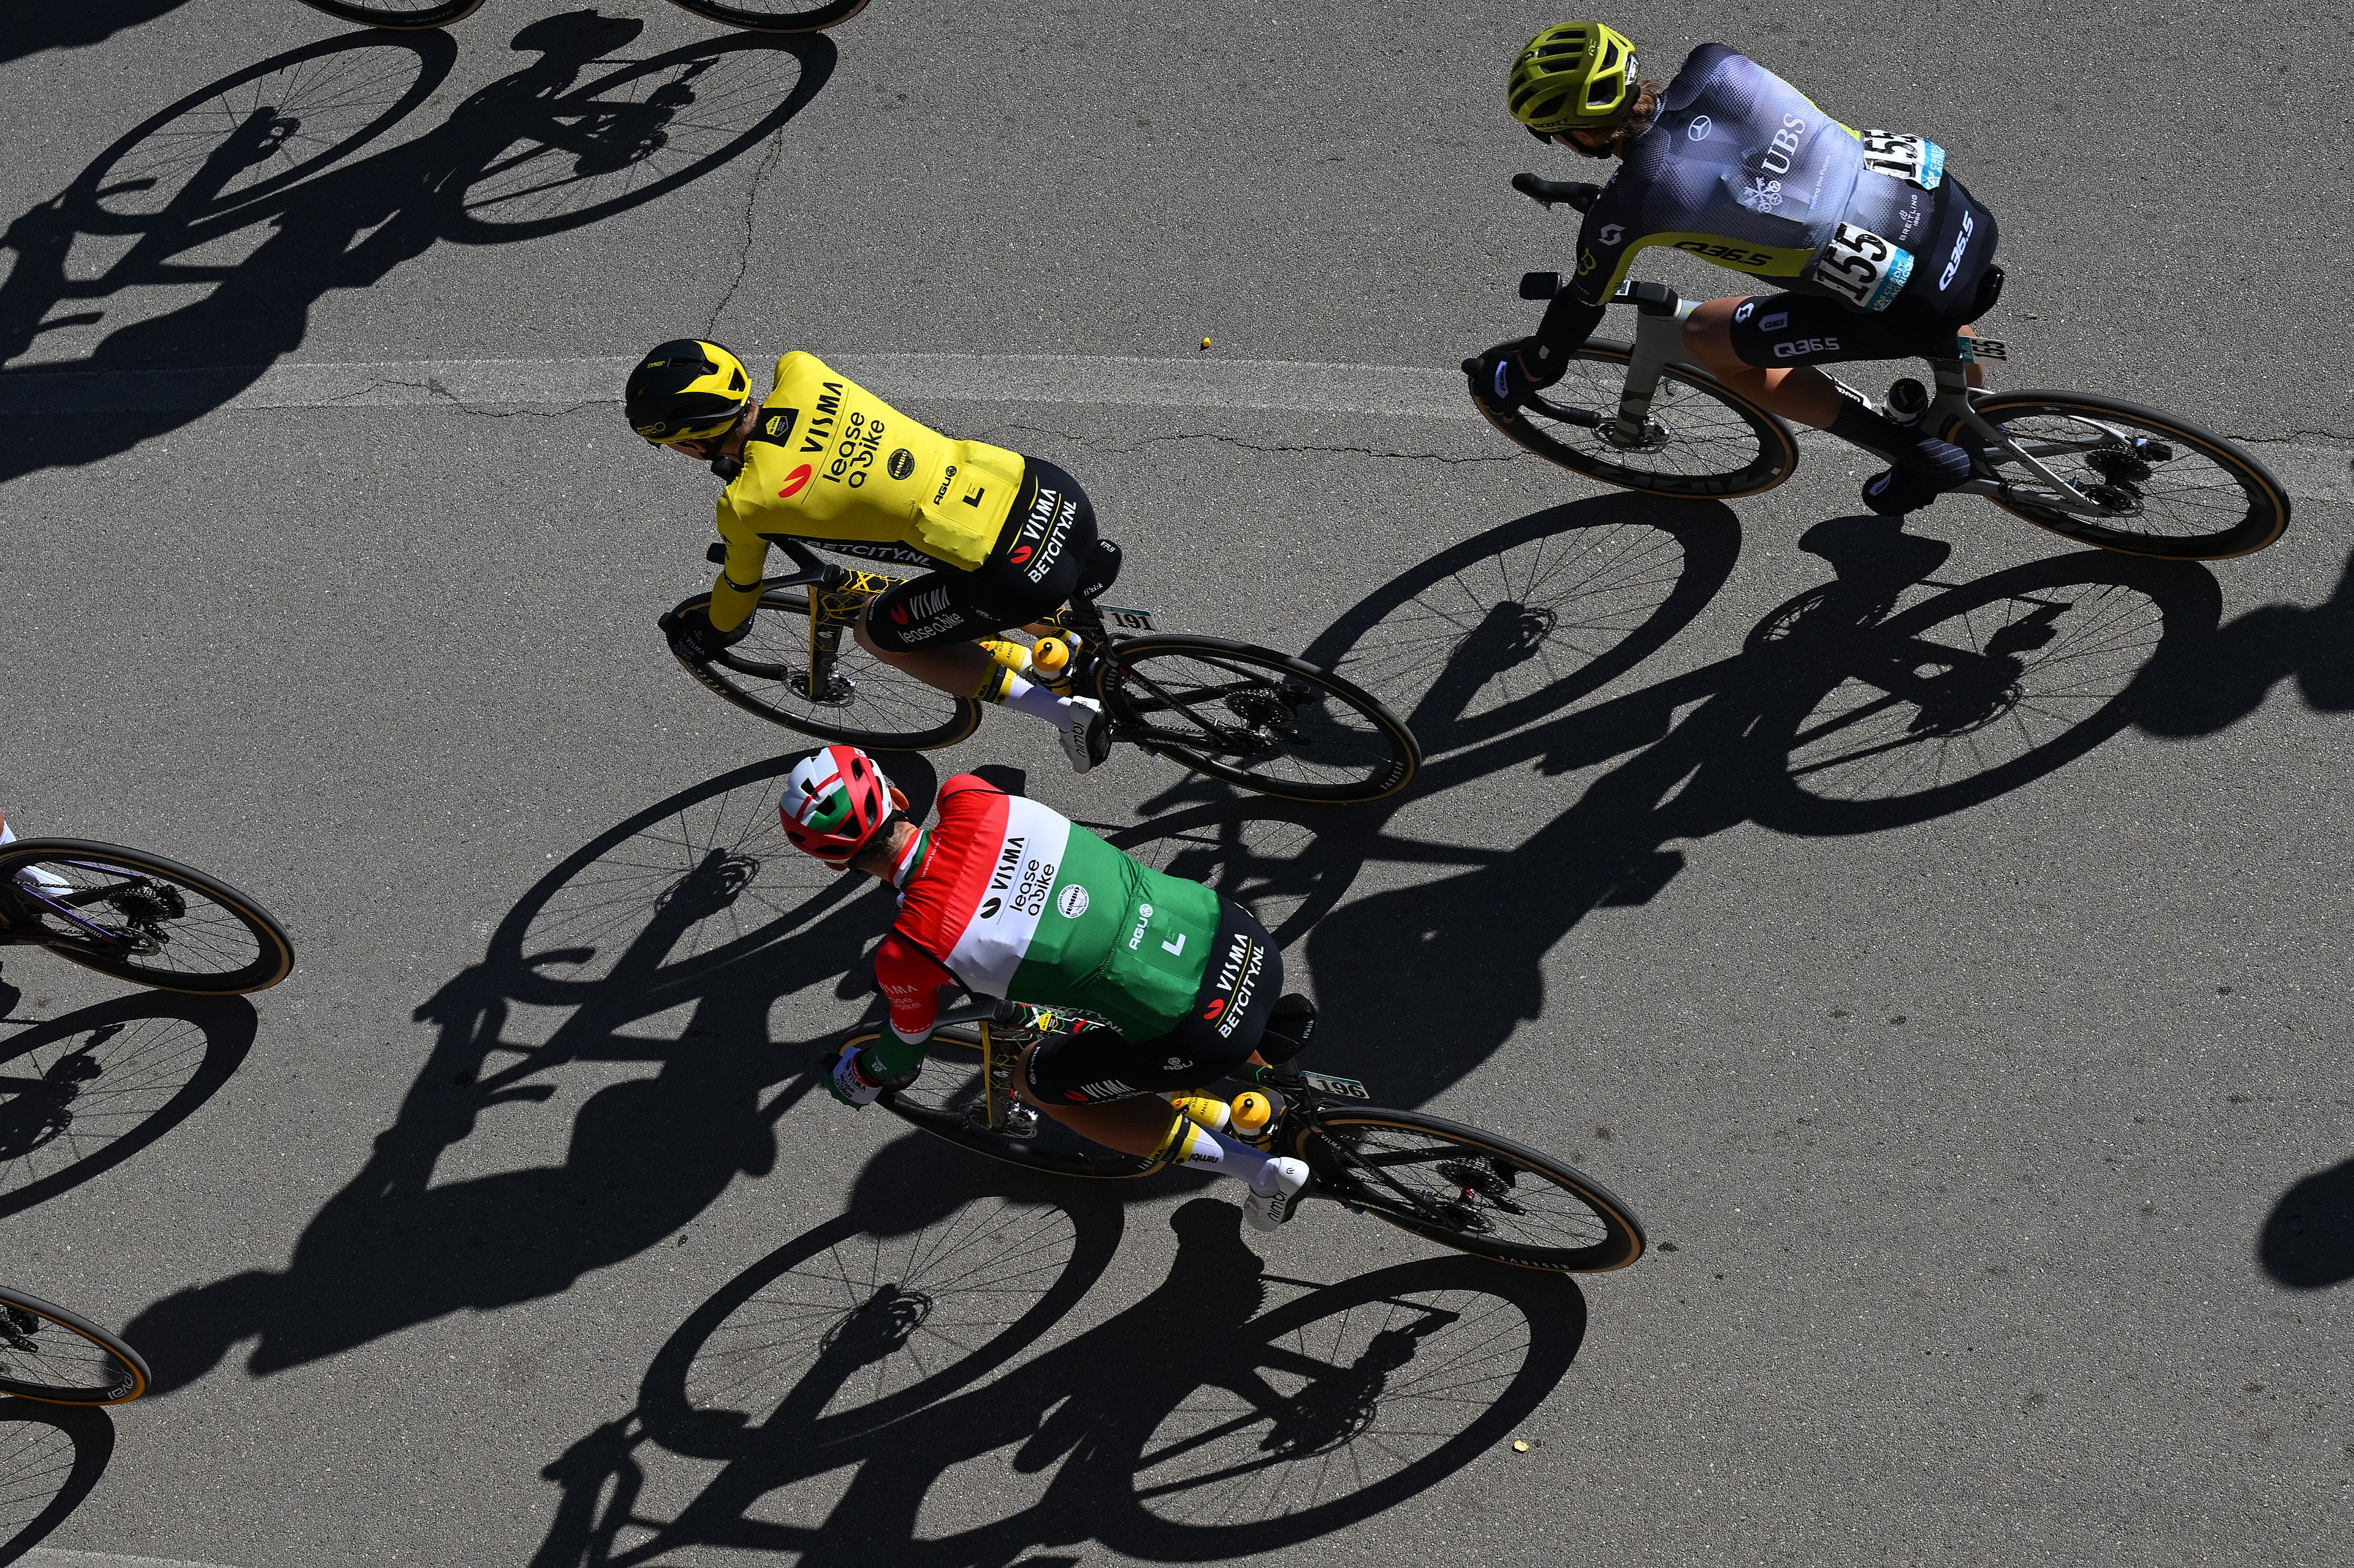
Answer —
(686, 390)
(1573, 76)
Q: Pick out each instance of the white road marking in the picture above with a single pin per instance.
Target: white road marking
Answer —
(50, 1557)
(2309, 472)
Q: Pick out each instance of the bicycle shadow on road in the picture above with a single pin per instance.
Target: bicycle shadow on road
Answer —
(83, 1092)
(1228, 1412)
(251, 189)
(35, 29)
(663, 945)
(2307, 1242)
(52, 1458)
(1883, 697)
(2206, 685)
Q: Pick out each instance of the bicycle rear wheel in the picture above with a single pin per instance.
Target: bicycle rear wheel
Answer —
(145, 919)
(2172, 490)
(775, 16)
(1481, 1194)
(861, 702)
(62, 1357)
(1704, 439)
(400, 14)
(948, 1102)
(1256, 718)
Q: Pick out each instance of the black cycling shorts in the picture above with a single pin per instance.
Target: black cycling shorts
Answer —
(1954, 283)
(1238, 995)
(1032, 572)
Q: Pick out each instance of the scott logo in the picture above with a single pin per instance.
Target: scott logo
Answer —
(793, 482)
(1612, 233)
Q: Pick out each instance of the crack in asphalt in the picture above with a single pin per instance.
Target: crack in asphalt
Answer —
(751, 204)
(1224, 440)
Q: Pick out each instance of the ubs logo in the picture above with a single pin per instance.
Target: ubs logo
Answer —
(1698, 129)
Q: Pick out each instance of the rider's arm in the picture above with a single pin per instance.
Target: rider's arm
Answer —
(737, 587)
(910, 982)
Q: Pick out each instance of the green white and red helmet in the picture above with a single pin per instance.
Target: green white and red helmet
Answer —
(835, 800)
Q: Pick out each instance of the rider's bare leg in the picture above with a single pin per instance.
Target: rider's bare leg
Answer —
(1801, 393)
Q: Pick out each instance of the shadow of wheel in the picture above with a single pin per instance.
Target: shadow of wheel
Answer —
(1343, 1402)
(81, 1094)
(252, 135)
(1955, 698)
(51, 1456)
(877, 1314)
(1284, 863)
(1519, 621)
(682, 889)
(636, 133)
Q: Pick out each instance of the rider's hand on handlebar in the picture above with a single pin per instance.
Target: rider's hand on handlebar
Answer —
(693, 639)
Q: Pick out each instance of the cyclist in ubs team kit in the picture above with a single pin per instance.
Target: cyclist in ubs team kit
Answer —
(1002, 539)
(1006, 898)
(1877, 249)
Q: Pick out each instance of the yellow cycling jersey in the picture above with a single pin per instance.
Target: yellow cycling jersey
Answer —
(833, 463)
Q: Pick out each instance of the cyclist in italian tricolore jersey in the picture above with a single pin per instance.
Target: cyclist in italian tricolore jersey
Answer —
(1879, 251)
(1004, 897)
(1001, 539)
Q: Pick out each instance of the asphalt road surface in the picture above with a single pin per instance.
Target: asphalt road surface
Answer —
(1982, 1083)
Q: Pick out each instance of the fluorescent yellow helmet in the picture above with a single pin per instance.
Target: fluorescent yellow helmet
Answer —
(1573, 76)
(686, 390)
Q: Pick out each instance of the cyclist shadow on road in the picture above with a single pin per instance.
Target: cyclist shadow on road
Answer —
(1225, 1413)
(665, 943)
(1885, 696)
(52, 1458)
(2206, 685)
(252, 189)
(85, 1091)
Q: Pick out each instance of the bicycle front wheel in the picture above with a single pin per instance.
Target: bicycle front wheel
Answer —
(400, 14)
(947, 1101)
(1256, 718)
(775, 16)
(1469, 1189)
(62, 1357)
(2166, 488)
(1702, 438)
(854, 697)
(145, 919)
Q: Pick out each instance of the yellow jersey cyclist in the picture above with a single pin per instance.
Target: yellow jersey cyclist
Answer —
(1001, 539)
(1004, 898)
(1878, 251)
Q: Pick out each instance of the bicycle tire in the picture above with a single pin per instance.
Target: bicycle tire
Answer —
(2266, 512)
(274, 954)
(938, 1110)
(751, 684)
(1620, 1243)
(809, 19)
(122, 1373)
(1776, 453)
(1133, 700)
(398, 19)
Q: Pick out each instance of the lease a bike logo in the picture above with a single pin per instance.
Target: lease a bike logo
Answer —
(793, 482)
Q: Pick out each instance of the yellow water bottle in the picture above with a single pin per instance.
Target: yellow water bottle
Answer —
(1050, 662)
(1254, 1115)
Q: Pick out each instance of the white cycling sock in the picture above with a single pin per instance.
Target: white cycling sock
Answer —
(1196, 1148)
(1036, 701)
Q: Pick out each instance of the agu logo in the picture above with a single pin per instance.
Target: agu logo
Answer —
(793, 482)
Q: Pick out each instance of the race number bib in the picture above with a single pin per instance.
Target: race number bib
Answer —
(1862, 268)
(1910, 158)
